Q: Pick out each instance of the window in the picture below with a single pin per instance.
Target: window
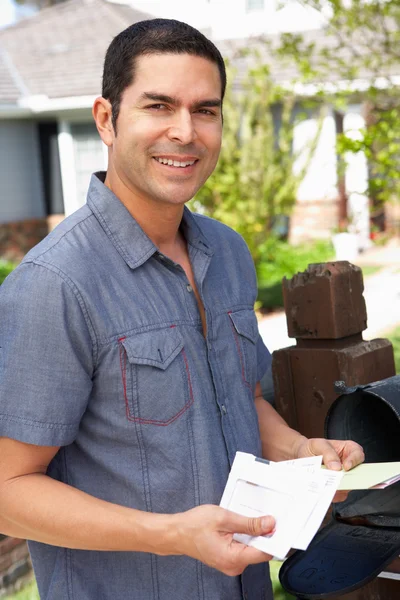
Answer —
(89, 156)
(254, 5)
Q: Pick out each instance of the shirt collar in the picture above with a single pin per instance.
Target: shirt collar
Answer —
(129, 239)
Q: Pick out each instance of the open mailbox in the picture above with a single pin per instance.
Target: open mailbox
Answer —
(363, 536)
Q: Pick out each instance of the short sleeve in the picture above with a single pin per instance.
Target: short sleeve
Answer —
(249, 276)
(264, 358)
(46, 357)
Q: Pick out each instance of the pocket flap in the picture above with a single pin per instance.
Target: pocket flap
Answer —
(154, 348)
(245, 323)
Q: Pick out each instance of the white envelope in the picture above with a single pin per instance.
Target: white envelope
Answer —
(296, 493)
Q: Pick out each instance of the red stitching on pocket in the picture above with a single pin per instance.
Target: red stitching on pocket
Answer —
(122, 360)
(235, 335)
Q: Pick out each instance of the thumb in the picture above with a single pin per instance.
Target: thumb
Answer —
(331, 458)
(251, 526)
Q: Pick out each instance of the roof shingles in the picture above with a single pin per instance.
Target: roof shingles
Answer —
(59, 52)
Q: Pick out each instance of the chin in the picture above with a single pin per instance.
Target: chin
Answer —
(177, 198)
(176, 201)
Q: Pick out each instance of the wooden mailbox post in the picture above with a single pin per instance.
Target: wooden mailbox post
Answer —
(326, 315)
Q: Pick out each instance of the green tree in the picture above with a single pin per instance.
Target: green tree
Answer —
(255, 182)
(359, 53)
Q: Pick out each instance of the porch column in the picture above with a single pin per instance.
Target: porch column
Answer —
(356, 177)
(315, 213)
(67, 164)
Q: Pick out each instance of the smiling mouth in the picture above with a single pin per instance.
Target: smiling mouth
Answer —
(169, 162)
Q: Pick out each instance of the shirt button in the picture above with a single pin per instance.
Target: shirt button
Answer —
(223, 409)
(189, 288)
(161, 256)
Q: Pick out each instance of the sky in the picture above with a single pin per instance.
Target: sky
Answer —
(202, 14)
(9, 12)
(172, 9)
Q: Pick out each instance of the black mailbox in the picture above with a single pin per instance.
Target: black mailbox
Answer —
(363, 536)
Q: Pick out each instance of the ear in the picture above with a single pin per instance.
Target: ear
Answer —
(102, 115)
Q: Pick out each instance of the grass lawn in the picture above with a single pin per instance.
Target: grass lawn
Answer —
(28, 593)
(31, 593)
(370, 270)
(279, 592)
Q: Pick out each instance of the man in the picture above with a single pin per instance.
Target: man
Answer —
(131, 356)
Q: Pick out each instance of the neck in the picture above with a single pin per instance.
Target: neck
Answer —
(160, 221)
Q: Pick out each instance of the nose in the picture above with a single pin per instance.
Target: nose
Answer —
(182, 130)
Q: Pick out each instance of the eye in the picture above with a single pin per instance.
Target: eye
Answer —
(156, 106)
(205, 111)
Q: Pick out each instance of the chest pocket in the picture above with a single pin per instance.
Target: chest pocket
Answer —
(245, 332)
(155, 376)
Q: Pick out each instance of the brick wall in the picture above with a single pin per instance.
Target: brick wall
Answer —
(392, 217)
(313, 220)
(16, 239)
(15, 565)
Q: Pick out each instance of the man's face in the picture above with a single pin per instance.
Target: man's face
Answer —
(169, 127)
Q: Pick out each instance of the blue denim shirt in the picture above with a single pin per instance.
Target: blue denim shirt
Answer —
(103, 354)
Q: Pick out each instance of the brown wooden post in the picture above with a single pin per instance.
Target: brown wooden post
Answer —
(326, 315)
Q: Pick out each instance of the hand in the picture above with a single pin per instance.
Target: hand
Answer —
(206, 533)
(336, 454)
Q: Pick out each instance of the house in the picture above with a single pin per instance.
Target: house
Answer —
(50, 73)
(247, 18)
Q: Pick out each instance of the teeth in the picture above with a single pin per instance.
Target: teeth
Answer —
(175, 163)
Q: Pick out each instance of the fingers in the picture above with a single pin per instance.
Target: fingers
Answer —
(248, 556)
(330, 457)
(353, 455)
(241, 556)
(338, 453)
(210, 538)
(251, 526)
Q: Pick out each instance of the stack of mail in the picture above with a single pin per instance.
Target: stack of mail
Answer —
(371, 476)
(297, 493)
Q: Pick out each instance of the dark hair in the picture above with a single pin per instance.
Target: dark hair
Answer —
(154, 36)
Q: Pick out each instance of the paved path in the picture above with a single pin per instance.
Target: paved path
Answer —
(382, 297)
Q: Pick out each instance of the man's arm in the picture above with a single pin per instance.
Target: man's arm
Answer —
(36, 507)
(280, 442)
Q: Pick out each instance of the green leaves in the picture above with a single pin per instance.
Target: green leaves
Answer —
(361, 52)
(254, 181)
(5, 269)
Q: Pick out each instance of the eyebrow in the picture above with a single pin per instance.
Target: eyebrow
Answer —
(155, 97)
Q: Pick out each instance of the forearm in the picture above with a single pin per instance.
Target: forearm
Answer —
(60, 515)
(39, 508)
(279, 441)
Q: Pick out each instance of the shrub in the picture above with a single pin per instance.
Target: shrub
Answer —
(5, 269)
(281, 259)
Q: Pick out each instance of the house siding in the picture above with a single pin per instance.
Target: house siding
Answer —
(21, 188)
